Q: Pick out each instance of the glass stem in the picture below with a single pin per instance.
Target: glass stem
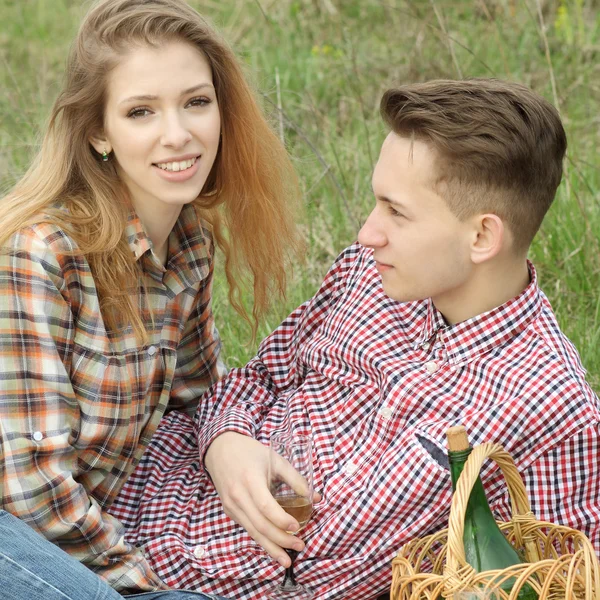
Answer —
(289, 581)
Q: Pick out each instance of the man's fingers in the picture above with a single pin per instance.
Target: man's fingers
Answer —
(264, 532)
(270, 547)
(273, 550)
(238, 466)
(271, 520)
(287, 473)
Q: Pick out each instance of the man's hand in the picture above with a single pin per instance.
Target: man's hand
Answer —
(238, 466)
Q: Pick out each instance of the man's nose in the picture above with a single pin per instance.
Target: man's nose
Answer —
(371, 233)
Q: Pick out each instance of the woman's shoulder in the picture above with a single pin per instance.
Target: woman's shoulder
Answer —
(42, 235)
(43, 249)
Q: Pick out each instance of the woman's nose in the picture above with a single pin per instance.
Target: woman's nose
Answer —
(176, 134)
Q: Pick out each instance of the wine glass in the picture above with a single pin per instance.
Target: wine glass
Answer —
(297, 451)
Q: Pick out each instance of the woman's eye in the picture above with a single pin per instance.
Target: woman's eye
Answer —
(136, 113)
(393, 211)
(199, 101)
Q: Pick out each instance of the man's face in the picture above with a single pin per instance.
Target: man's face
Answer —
(421, 249)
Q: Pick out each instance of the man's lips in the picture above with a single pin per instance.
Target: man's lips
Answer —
(382, 266)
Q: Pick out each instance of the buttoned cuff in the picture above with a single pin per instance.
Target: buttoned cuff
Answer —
(234, 419)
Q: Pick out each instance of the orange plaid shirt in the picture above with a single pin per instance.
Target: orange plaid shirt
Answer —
(78, 405)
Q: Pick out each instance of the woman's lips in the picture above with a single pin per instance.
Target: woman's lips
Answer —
(178, 176)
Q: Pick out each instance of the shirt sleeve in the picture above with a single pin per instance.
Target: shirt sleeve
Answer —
(39, 415)
(241, 400)
(199, 363)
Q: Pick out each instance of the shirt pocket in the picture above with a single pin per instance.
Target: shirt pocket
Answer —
(110, 408)
(407, 493)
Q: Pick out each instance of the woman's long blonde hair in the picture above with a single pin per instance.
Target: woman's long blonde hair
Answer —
(250, 194)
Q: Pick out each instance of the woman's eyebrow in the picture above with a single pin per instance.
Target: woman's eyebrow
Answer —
(148, 97)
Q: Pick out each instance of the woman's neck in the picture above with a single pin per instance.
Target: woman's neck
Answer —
(158, 225)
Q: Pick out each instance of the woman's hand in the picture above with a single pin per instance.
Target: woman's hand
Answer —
(238, 466)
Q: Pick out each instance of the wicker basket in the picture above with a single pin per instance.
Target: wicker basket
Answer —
(561, 563)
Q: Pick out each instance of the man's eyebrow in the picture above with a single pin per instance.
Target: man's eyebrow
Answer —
(388, 200)
(148, 97)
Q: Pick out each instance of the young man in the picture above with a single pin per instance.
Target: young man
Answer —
(433, 319)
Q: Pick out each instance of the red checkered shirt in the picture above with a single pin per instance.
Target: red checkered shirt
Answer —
(377, 383)
(77, 405)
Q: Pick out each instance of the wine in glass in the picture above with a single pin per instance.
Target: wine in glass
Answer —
(296, 501)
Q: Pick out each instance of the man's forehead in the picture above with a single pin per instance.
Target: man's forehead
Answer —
(399, 152)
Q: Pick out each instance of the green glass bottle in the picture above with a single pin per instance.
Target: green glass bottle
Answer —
(486, 547)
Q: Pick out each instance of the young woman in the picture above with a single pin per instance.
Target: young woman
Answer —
(155, 147)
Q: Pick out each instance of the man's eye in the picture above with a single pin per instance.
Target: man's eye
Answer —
(136, 113)
(393, 211)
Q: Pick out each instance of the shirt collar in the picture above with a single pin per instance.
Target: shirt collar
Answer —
(190, 247)
(483, 332)
(137, 238)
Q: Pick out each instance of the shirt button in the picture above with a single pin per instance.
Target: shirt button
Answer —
(152, 351)
(350, 468)
(425, 346)
(386, 412)
(199, 551)
(431, 366)
(38, 436)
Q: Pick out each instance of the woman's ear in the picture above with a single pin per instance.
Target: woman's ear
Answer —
(488, 237)
(100, 143)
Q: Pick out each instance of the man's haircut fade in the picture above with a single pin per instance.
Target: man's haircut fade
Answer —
(500, 146)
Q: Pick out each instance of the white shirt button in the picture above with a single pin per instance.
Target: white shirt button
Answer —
(425, 346)
(386, 412)
(38, 436)
(350, 468)
(431, 366)
(199, 551)
(152, 351)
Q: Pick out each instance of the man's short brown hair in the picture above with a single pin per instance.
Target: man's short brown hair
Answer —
(499, 146)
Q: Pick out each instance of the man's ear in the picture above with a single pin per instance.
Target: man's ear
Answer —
(100, 143)
(488, 238)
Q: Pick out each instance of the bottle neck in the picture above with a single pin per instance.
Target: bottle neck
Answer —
(457, 464)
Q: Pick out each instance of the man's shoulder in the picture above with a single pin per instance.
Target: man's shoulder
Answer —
(353, 255)
(547, 330)
(552, 355)
(354, 265)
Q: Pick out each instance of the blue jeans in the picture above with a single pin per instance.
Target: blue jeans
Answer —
(32, 568)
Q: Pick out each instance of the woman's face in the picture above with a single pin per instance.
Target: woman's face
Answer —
(162, 124)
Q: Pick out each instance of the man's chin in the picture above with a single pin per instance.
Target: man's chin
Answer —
(401, 295)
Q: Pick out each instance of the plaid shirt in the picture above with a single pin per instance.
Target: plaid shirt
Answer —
(77, 405)
(377, 383)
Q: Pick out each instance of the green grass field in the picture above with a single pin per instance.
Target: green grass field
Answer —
(320, 67)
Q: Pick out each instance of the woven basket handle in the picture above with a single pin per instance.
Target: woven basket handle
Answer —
(516, 488)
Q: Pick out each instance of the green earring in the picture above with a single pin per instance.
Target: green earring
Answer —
(104, 156)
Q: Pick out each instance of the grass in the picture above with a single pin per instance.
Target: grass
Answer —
(326, 63)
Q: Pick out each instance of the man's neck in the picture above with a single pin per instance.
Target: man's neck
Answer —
(491, 285)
